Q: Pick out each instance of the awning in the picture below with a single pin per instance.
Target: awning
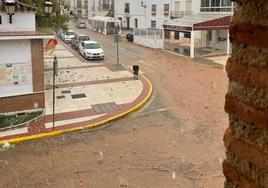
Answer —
(102, 13)
(199, 22)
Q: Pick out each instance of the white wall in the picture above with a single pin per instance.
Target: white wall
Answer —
(142, 14)
(21, 21)
(17, 53)
(149, 42)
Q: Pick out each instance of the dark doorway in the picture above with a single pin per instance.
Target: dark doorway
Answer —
(127, 22)
(136, 23)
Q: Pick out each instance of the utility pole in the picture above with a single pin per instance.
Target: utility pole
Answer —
(117, 40)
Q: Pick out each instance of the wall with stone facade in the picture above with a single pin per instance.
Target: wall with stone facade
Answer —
(246, 139)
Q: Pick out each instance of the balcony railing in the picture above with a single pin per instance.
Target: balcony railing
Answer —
(179, 14)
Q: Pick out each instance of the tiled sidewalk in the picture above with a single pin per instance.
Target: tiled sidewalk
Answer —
(87, 94)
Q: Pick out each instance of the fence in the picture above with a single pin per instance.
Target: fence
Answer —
(152, 38)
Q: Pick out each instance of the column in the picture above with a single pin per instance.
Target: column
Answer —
(192, 45)
(228, 43)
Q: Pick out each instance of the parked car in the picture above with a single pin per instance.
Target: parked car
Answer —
(81, 24)
(77, 39)
(68, 36)
(91, 50)
(130, 37)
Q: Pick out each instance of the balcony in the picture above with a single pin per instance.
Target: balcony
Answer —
(179, 14)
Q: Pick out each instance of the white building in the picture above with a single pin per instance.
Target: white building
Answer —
(200, 24)
(100, 8)
(181, 8)
(79, 7)
(22, 60)
(142, 14)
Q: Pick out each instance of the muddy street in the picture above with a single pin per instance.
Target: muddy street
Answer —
(175, 140)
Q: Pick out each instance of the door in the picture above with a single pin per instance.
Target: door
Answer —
(127, 18)
(136, 23)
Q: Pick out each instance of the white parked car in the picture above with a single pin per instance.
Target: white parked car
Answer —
(68, 36)
(91, 50)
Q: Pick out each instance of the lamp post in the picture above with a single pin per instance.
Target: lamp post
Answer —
(55, 73)
(48, 8)
(117, 39)
(10, 8)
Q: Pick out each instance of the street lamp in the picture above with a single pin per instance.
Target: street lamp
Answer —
(10, 8)
(48, 7)
(117, 39)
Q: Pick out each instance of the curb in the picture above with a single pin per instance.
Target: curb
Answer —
(90, 126)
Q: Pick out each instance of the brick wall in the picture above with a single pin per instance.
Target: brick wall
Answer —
(246, 139)
(22, 102)
(37, 64)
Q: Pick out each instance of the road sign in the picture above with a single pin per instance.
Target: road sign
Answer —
(117, 38)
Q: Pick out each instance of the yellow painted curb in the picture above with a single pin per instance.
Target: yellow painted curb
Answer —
(116, 117)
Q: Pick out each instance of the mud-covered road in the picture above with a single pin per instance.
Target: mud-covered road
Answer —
(175, 141)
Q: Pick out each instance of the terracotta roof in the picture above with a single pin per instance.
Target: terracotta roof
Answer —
(19, 7)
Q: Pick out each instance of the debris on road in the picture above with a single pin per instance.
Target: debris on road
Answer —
(7, 146)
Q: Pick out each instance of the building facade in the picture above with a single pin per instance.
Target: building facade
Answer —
(22, 61)
(100, 8)
(79, 7)
(142, 14)
(188, 12)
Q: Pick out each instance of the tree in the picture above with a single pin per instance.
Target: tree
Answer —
(55, 21)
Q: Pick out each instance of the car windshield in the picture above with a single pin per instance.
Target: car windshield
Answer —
(82, 38)
(92, 46)
(70, 33)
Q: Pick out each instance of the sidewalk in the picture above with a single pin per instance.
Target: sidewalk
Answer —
(88, 94)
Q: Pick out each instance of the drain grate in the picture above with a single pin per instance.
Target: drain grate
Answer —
(61, 97)
(104, 107)
(78, 96)
(65, 91)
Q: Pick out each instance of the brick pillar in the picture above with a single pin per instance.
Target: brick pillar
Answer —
(38, 64)
(246, 139)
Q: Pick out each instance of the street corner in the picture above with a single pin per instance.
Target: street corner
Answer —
(86, 96)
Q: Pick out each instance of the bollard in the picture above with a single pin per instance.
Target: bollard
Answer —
(136, 71)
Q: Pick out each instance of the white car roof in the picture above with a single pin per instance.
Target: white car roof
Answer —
(90, 42)
(83, 35)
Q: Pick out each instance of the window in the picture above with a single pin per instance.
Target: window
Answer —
(166, 9)
(136, 23)
(127, 8)
(205, 3)
(217, 6)
(188, 5)
(209, 36)
(215, 3)
(86, 4)
(153, 9)
(187, 35)
(79, 4)
(153, 23)
(177, 5)
(79, 12)
(0, 19)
